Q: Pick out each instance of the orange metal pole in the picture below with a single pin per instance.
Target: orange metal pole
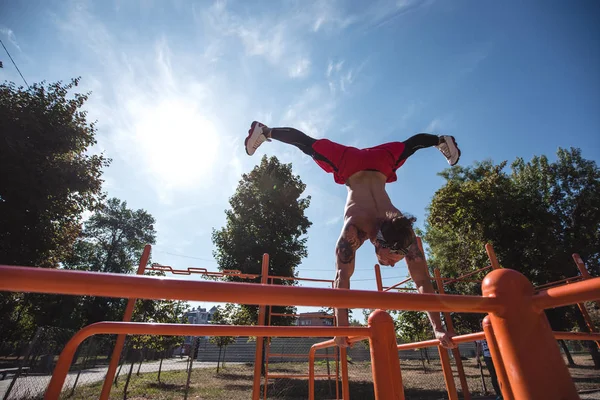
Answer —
(533, 363)
(378, 278)
(444, 357)
(42, 280)
(260, 340)
(471, 337)
(385, 364)
(312, 354)
(395, 286)
(499, 365)
(572, 293)
(455, 351)
(345, 382)
(585, 275)
(116, 354)
(142, 328)
(492, 256)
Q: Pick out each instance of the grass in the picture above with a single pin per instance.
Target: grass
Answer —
(235, 382)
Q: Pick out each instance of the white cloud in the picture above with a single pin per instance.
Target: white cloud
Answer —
(434, 125)
(300, 69)
(280, 43)
(10, 35)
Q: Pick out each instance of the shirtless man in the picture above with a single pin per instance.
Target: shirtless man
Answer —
(369, 213)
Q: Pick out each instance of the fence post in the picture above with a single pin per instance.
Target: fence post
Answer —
(116, 355)
(523, 339)
(385, 364)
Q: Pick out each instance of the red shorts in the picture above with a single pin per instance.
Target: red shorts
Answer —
(344, 161)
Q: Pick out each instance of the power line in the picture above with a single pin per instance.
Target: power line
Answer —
(14, 63)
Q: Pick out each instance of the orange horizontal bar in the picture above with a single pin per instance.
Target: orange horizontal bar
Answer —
(141, 328)
(398, 284)
(434, 342)
(577, 336)
(300, 315)
(279, 376)
(452, 280)
(305, 355)
(573, 293)
(567, 280)
(288, 278)
(82, 283)
(471, 337)
(387, 289)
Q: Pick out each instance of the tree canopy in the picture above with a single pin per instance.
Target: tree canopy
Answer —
(266, 216)
(48, 175)
(535, 215)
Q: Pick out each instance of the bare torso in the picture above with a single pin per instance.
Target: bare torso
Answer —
(367, 202)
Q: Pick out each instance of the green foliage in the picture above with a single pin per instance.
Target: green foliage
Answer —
(536, 216)
(412, 326)
(49, 178)
(266, 216)
(222, 318)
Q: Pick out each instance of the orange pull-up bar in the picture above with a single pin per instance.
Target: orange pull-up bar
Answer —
(81, 283)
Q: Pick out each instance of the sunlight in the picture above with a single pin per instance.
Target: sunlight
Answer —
(180, 144)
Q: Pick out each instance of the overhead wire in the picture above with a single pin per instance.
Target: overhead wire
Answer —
(14, 63)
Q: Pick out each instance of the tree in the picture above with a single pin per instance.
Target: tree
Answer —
(220, 318)
(535, 217)
(48, 177)
(266, 216)
(113, 240)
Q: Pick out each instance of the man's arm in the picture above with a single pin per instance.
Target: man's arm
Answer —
(350, 240)
(417, 268)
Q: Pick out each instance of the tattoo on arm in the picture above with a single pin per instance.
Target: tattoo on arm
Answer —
(414, 252)
(352, 238)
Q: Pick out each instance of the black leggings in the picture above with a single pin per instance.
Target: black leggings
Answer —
(304, 142)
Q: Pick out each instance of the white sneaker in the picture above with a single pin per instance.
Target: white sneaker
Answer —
(255, 137)
(449, 149)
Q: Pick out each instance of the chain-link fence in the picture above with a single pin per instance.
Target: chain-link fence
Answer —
(199, 368)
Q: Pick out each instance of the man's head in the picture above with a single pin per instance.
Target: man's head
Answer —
(394, 238)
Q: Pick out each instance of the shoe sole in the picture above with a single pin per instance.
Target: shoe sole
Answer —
(250, 134)
(459, 153)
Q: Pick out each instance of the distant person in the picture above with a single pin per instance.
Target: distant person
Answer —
(482, 348)
(369, 213)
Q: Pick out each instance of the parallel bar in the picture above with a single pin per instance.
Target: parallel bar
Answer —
(299, 315)
(294, 355)
(471, 337)
(41, 280)
(460, 278)
(290, 278)
(566, 280)
(291, 376)
(573, 293)
(397, 284)
(141, 328)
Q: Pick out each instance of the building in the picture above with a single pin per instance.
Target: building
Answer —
(200, 316)
(317, 318)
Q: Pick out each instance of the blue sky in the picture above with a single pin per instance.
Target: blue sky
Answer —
(176, 84)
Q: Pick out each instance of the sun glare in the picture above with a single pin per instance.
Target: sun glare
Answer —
(181, 145)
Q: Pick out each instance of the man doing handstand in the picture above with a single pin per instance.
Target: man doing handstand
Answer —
(369, 213)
